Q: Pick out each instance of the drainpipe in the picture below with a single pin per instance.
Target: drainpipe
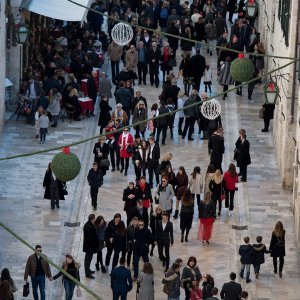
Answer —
(295, 66)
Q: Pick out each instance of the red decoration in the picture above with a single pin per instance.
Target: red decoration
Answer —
(241, 55)
(66, 150)
(271, 87)
(251, 2)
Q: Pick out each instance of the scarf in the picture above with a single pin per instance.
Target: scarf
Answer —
(166, 54)
(124, 140)
(142, 186)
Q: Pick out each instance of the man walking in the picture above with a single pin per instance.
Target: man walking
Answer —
(198, 64)
(90, 244)
(191, 115)
(153, 161)
(95, 180)
(162, 123)
(38, 269)
(154, 58)
(120, 281)
(114, 52)
(142, 62)
(231, 290)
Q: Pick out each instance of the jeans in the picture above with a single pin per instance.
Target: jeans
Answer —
(87, 262)
(229, 196)
(247, 271)
(136, 259)
(69, 288)
(177, 298)
(281, 263)
(163, 129)
(256, 269)
(94, 194)
(38, 281)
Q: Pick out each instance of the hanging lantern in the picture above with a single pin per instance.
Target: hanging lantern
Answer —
(241, 69)
(22, 33)
(122, 34)
(211, 109)
(271, 91)
(251, 8)
(65, 165)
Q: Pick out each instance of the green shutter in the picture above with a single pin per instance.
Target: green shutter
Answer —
(284, 8)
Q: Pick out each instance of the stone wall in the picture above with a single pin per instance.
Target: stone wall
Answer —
(3, 60)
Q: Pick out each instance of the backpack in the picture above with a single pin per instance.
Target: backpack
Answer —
(164, 13)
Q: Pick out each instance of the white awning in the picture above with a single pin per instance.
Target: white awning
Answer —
(58, 9)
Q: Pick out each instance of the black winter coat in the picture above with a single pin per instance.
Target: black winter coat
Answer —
(277, 245)
(104, 149)
(259, 253)
(216, 189)
(247, 254)
(146, 195)
(129, 203)
(95, 179)
(268, 111)
(244, 154)
(104, 116)
(111, 230)
(143, 238)
(198, 64)
(216, 145)
(90, 238)
(154, 65)
(47, 182)
(153, 223)
(135, 213)
(207, 210)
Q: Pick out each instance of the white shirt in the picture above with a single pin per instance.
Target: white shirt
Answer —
(54, 177)
(164, 225)
(151, 149)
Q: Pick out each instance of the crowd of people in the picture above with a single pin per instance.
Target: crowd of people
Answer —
(73, 53)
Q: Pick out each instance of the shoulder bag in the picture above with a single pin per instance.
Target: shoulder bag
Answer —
(261, 113)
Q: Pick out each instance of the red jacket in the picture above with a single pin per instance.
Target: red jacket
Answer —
(123, 147)
(230, 181)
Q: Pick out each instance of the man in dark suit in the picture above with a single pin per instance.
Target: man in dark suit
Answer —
(120, 281)
(142, 62)
(90, 244)
(231, 290)
(154, 58)
(198, 64)
(214, 293)
(244, 156)
(164, 239)
(140, 212)
(153, 161)
(216, 148)
(142, 240)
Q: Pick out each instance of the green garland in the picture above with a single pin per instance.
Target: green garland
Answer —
(142, 122)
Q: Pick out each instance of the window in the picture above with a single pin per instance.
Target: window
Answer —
(284, 8)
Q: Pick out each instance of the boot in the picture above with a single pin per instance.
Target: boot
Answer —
(97, 266)
(181, 238)
(176, 214)
(103, 269)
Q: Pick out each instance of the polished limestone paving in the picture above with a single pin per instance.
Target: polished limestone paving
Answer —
(259, 203)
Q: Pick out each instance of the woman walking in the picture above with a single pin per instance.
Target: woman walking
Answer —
(72, 268)
(225, 78)
(155, 217)
(217, 191)
(130, 197)
(101, 226)
(207, 218)
(140, 163)
(277, 247)
(244, 156)
(101, 152)
(125, 142)
(210, 173)
(5, 275)
(186, 214)
(144, 192)
(182, 182)
(145, 283)
(196, 183)
(230, 179)
(166, 55)
(191, 276)
(53, 108)
(104, 116)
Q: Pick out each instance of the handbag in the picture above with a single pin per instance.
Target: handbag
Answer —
(195, 294)
(222, 196)
(104, 163)
(78, 292)
(130, 149)
(166, 289)
(26, 289)
(261, 113)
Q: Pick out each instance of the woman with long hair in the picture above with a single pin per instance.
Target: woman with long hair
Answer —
(5, 275)
(186, 214)
(104, 116)
(140, 163)
(72, 268)
(210, 173)
(186, 69)
(125, 142)
(119, 243)
(5, 291)
(230, 179)
(196, 183)
(166, 162)
(144, 191)
(207, 217)
(182, 182)
(171, 176)
(145, 283)
(152, 125)
(208, 284)
(217, 190)
(191, 276)
(277, 247)
(101, 226)
(155, 217)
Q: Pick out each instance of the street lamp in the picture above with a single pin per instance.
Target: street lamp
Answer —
(271, 91)
(251, 8)
(22, 33)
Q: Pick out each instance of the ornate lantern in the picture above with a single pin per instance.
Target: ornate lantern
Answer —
(65, 165)
(22, 33)
(271, 91)
(242, 69)
(122, 34)
(251, 8)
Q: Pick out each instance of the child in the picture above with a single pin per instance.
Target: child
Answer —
(43, 123)
(259, 255)
(37, 115)
(207, 78)
(246, 252)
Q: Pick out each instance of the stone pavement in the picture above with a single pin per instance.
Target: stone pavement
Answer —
(259, 203)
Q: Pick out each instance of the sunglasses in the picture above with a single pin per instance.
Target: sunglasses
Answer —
(141, 225)
(40, 250)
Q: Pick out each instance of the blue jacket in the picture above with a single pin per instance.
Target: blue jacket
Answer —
(247, 254)
(121, 280)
